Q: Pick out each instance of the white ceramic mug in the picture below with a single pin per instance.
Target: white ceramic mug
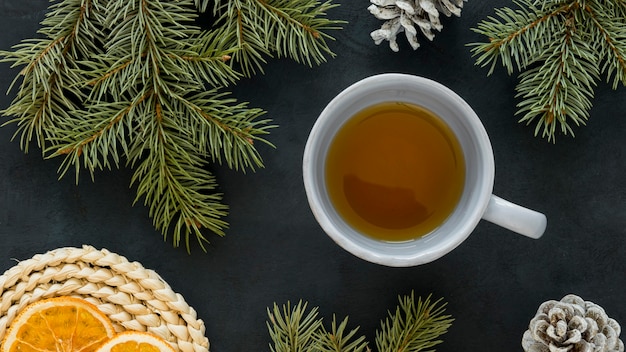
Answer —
(477, 201)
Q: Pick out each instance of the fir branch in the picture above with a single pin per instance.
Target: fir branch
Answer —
(49, 87)
(559, 91)
(36, 114)
(299, 29)
(244, 32)
(610, 36)
(415, 326)
(209, 55)
(561, 48)
(293, 329)
(337, 340)
(288, 28)
(224, 129)
(137, 83)
(518, 35)
(167, 126)
(96, 137)
(178, 189)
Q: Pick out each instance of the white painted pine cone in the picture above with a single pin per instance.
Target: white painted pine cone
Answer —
(410, 16)
(572, 325)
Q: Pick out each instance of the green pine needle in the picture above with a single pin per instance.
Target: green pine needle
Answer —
(49, 85)
(293, 329)
(295, 29)
(338, 340)
(137, 83)
(561, 48)
(415, 326)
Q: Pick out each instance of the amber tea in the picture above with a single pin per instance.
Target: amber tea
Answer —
(395, 171)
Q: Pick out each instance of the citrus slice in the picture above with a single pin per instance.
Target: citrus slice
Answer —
(136, 341)
(63, 324)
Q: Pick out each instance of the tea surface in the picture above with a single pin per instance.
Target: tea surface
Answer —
(395, 171)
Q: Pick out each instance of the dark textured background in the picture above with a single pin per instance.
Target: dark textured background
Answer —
(275, 251)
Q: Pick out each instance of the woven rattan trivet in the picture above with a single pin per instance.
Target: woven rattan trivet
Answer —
(133, 297)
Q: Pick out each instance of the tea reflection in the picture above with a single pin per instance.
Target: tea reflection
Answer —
(387, 207)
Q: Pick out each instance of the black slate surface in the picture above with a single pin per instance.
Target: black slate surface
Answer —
(274, 250)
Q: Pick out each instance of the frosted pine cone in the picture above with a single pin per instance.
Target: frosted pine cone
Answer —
(404, 15)
(572, 325)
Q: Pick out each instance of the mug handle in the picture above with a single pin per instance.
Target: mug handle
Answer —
(516, 218)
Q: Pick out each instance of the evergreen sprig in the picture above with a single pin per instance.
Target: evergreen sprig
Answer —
(415, 326)
(139, 83)
(50, 89)
(293, 328)
(294, 29)
(338, 339)
(561, 48)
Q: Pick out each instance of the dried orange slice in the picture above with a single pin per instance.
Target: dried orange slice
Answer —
(136, 341)
(63, 324)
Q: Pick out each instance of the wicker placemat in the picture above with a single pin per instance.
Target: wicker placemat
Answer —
(133, 297)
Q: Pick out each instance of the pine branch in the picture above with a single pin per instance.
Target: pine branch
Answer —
(559, 91)
(610, 35)
(138, 83)
(337, 340)
(293, 329)
(49, 87)
(224, 129)
(561, 48)
(178, 189)
(243, 31)
(96, 136)
(167, 126)
(415, 326)
(298, 29)
(287, 28)
(518, 35)
(208, 56)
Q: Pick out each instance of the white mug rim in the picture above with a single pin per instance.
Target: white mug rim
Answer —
(363, 247)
